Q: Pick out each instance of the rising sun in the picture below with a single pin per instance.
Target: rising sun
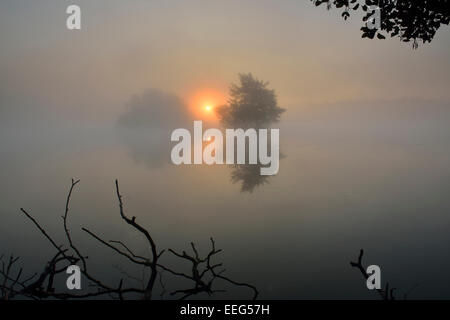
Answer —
(203, 103)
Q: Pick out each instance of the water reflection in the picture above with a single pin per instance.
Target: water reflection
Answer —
(249, 176)
(147, 123)
(251, 105)
(146, 126)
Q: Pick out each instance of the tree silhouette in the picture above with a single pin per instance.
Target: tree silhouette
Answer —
(203, 274)
(409, 20)
(251, 105)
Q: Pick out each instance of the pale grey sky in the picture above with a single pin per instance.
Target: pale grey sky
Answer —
(310, 55)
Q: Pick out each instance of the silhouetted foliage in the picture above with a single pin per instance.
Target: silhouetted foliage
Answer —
(251, 104)
(409, 20)
(249, 176)
(203, 273)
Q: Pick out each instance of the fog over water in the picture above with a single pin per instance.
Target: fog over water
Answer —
(366, 157)
(380, 185)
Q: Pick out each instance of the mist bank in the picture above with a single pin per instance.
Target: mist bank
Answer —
(417, 122)
(147, 120)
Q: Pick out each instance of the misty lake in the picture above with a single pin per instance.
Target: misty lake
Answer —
(376, 182)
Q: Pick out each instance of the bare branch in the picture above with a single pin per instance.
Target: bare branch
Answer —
(155, 256)
(129, 251)
(383, 293)
(145, 263)
(58, 248)
(41, 285)
(66, 229)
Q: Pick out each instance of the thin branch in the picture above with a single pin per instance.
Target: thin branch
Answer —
(145, 232)
(58, 248)
(129, 251)
(145, 263)
(66, 229)
(384, 294)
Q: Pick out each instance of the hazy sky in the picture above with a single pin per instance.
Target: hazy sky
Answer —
(310, 55)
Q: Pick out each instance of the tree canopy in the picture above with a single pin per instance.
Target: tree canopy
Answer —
(408, 20)
(251, 104)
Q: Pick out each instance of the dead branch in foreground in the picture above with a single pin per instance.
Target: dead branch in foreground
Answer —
(202, 277)
(386, 294)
